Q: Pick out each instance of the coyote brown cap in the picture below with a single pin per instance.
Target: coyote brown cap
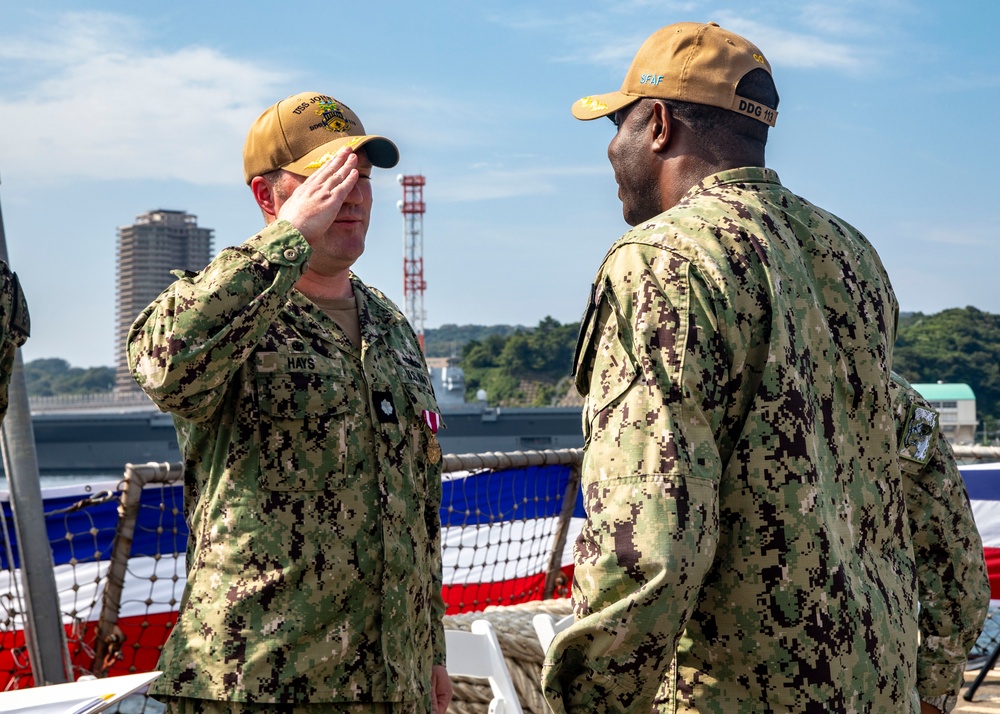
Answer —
(299, 132)
(689, 62)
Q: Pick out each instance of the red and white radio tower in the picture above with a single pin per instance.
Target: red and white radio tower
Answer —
(412, 207)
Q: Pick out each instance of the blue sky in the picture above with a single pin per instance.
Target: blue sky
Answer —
(888, 117)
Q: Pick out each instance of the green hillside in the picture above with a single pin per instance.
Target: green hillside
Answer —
(959, 345)
(530, 366)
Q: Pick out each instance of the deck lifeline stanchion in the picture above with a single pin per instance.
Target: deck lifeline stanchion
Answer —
(136, 478)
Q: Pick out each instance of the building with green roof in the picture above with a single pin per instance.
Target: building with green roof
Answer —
(956, 406)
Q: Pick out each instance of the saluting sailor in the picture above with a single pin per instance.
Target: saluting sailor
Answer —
(307, 423)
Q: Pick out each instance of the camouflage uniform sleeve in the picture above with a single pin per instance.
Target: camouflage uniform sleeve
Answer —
(184, 348)
(432, 513)
(953, 588)
(650, 483)
(15, 326)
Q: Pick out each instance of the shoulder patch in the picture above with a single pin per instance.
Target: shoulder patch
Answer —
(918, 434)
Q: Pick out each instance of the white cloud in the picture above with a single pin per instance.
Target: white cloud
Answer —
(489, 181)
(857, 18)
(839, 19)
(424, 121)
(954, 236)
(830, 36)
(112, 106)
(798, 49)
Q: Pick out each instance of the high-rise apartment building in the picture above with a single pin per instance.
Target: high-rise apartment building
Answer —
(158, 242)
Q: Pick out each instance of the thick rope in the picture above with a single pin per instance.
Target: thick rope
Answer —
(976, 451)
(520, 647)
(511, 459)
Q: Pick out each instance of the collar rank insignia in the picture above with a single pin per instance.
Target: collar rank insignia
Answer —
(385, 411)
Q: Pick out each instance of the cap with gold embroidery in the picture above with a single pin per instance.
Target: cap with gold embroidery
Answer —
(299, 133)
(688, 62)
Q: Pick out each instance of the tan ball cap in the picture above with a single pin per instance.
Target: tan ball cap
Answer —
(689, 62)
(297, 133)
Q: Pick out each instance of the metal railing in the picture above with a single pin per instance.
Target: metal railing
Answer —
(99, 399)
(110, 638)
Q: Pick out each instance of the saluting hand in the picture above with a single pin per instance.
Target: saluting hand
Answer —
(315, 203)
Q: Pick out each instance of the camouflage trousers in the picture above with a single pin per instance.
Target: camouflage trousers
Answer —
(185, 705)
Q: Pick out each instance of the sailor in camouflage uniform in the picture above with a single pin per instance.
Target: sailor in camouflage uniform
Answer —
(952, 584)
(747, 539)
(307, 423)
(15, 326)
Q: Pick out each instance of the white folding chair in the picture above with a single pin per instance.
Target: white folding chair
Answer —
(547, 627)
(478, 654)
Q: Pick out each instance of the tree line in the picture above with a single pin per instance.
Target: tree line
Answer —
(54, 376)
(530, 366)
(960, 345)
